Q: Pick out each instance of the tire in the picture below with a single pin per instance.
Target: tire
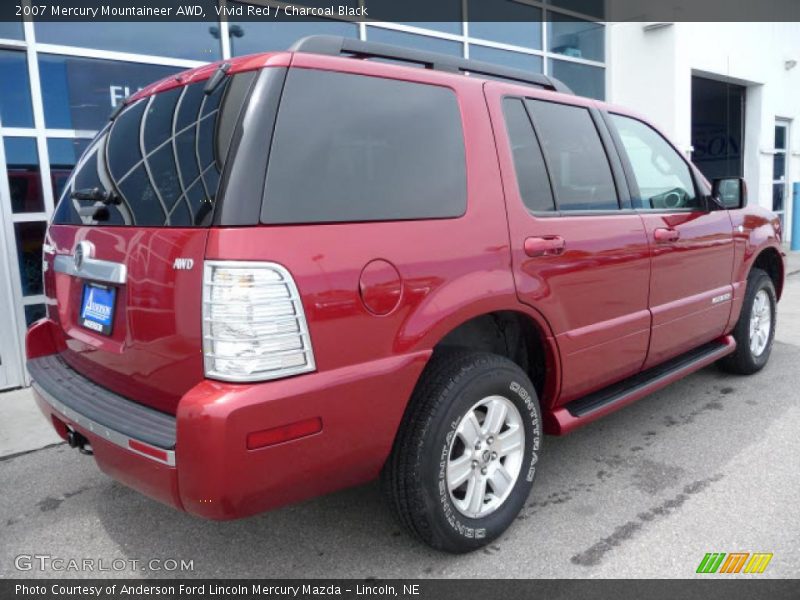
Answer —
(430, 451)
(748, 359)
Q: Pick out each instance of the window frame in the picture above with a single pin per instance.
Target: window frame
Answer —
(609, 148)
(701, 192)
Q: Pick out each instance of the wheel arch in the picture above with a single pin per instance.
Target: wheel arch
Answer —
(769, 260)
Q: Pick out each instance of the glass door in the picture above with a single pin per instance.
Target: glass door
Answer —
(781, 194)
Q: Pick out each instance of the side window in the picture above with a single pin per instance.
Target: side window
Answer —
(662, 175)
(579, 168)
(358, 148)
(534, 185)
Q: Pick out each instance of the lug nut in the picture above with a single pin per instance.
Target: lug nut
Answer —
(474, 464)
(483, 471)
(494, 455)
(490, 440)
(478, 445)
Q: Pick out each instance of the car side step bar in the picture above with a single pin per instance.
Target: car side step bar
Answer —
(334, 45)
(597, 404)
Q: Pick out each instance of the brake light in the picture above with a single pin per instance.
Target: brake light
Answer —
(254, 326)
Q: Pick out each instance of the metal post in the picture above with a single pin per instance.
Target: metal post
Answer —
(796, 216)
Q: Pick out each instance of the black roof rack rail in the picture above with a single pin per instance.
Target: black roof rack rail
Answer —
(334, 45)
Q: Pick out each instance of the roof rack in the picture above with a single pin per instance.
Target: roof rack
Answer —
(334, 45)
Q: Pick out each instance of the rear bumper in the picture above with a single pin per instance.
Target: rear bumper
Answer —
(209, 471)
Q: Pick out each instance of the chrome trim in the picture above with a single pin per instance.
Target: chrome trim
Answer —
(92, 268)
(111, 435)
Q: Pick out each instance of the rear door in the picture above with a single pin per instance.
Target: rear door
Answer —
(579, 252)
(128, 240)
(691, 247)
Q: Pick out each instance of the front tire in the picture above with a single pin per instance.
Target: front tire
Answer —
(465, 456)
(755, 329)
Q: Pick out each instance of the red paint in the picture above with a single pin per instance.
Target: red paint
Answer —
(609, 295)
(284, 433)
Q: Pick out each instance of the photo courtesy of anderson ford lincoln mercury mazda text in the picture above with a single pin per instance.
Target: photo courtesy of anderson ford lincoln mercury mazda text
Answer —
(290, 273)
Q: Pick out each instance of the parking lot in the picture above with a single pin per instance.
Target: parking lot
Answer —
(711, 464)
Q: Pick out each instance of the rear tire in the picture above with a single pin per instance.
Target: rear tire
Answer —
(465, 456)
(755, 329)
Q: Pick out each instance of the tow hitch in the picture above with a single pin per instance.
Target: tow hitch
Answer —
(76, 440)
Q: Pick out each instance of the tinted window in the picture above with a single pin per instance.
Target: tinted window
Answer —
(577, 38)
(507, 58)
(534, 185)
(24, 175)
(584, 80)
(356, 148)
(250, 37)
(15, 99)
(578, 163)
(412, 40)
(663, 177)
(505, 21)
(163, 155)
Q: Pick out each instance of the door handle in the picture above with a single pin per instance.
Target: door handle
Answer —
(551, 245)
(666, 234)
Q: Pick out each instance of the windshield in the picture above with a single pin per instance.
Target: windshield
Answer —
(159, 162)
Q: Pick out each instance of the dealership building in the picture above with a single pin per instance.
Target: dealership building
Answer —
(727, 93)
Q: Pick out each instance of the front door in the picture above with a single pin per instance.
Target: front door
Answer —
(579, 253)
(691, 247)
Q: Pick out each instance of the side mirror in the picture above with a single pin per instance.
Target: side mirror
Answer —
(730, 192)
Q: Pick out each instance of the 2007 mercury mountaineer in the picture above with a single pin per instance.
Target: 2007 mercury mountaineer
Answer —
(289, 273)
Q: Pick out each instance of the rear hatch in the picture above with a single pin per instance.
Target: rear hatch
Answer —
(126, 246)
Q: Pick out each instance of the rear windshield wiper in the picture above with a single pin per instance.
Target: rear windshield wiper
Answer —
(96, 195)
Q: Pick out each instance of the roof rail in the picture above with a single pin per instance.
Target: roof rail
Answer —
(334, 45)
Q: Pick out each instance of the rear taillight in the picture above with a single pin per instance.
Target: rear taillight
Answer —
(254, 327)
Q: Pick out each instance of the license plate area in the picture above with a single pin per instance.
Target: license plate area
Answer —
(97, 307)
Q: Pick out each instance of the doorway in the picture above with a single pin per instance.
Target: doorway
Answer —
(718, 127)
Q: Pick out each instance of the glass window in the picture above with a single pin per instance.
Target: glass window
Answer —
(412, 40)
(663, 177)
(584, 80)
(64, 154)
(251, 37)
(11, 30)
(164, 175)
(34, 312)
(779, 166)
(577, 38)
(507, 58)
(534, 185)
(506, 21)
(778, 191)
(81, 93)
(368, 149)
(578, 163)
(592, 8)
(445, 14)
(30, 237)
(15, 99)
(186, 39)
(780, 137)
(24, 175)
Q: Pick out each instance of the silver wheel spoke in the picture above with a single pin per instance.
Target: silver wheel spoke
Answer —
(470, 429)
(476, 492)
(495, 417)
(509, 441)
(459, 470)
(501, 480)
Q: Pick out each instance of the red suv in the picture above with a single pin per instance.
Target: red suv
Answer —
(287, 274)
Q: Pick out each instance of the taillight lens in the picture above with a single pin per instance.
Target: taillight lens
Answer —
(254, 327)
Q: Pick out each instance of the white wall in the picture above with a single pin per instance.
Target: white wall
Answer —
(651, 71)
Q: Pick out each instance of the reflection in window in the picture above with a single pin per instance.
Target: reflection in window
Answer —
(80, 93)
(576, 38)
(584, 80)
(24, 175)
(64, 154)
(11, 29)
(29, 252)
(412, 40)
(517, 60)
(185, 39)
(446, 14)
(506, 21)
(278, 34)
(592, 8)
(15, 99)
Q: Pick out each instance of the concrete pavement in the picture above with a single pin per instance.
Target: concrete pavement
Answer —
(710, 464)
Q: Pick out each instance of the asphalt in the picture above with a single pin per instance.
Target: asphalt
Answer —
(710, 464)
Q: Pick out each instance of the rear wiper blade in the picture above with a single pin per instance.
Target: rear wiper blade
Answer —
(96, 195)
(217, 78)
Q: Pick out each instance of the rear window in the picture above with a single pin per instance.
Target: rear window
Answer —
(359, 148)
(163, 157)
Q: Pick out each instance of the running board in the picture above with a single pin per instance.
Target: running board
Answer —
(602, 402)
